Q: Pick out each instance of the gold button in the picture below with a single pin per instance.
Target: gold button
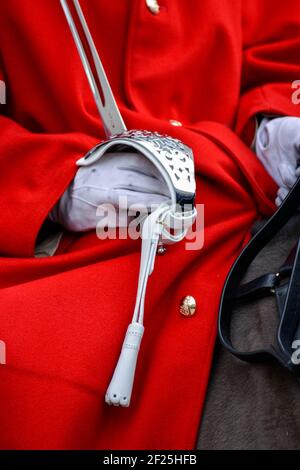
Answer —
(153, 6)
(188, 306)
(175, 123)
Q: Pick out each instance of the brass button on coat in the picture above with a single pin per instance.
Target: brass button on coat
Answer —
(153, 6)
(188, 306)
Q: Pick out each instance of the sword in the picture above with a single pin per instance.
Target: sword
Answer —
(168, 222)
(108, 109)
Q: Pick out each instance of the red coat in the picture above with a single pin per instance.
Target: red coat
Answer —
(211, 64)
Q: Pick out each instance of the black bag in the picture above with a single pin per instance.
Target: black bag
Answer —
(284, 284)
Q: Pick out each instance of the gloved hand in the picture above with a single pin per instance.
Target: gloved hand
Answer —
(278, 148)
(130, 176)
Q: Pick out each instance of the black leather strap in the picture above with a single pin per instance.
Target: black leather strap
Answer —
(281, 293)
(288, 330)
(268, 284)
(288, 296)
(258, 288)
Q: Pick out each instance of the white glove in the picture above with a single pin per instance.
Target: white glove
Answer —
(278, 148)
(130, 176)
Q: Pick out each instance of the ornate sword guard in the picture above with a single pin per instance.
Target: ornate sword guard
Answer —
(173, 159)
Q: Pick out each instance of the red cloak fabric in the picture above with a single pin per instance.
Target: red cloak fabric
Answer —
(213, 65)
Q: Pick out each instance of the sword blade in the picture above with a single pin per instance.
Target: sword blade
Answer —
(109, 112)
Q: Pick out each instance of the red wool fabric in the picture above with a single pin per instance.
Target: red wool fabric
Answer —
(213, 65)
